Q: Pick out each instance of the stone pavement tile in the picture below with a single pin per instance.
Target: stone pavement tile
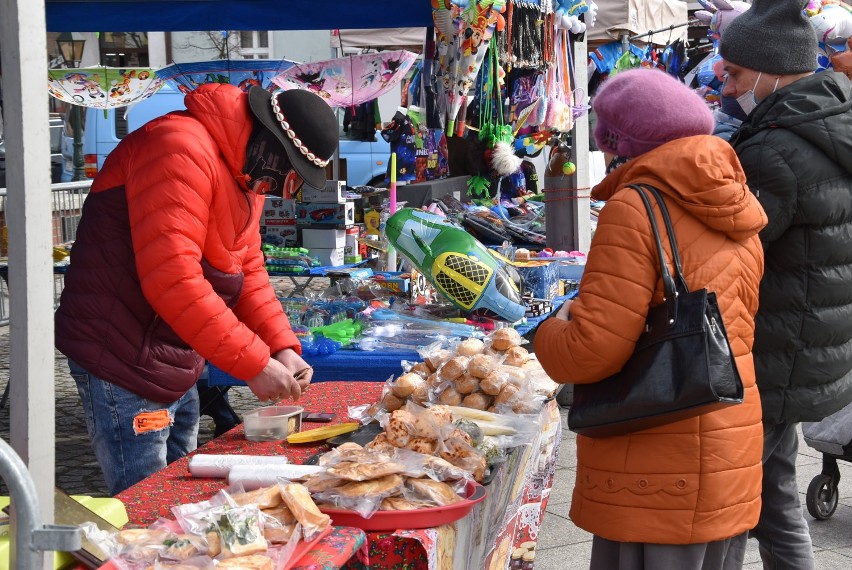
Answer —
(833, 533)
(572, 557)
(557, 531)
(563, 486)
(567, 449)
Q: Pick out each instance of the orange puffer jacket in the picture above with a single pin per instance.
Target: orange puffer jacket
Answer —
(697, 480)
(167, 269)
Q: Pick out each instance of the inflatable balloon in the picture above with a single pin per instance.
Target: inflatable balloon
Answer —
(455, 263)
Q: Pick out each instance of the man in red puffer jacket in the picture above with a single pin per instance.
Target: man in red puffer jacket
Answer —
(167, 270)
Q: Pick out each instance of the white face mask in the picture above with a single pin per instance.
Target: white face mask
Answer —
(748, 101)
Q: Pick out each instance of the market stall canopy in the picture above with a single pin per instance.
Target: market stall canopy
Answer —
(378, 37)
(183, 15)
(617, 17)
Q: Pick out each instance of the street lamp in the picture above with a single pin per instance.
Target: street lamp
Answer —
(72, 53)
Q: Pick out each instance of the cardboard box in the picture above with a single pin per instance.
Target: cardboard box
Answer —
(275, 208)
(392, 281)
(329, 238)
(279, 232)
(350, 243)
(328, 257)
(540, 278)
(332, 193)
(326, 214)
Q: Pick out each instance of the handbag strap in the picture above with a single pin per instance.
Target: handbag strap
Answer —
(671, 288)
(680, 281)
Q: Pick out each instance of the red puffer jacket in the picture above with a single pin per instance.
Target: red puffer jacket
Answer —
(167, 270)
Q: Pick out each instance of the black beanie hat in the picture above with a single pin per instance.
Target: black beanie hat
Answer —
(773, 36)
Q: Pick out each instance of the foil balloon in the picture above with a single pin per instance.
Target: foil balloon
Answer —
(456, 263)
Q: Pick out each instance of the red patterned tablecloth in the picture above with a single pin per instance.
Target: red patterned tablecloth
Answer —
(510, 515)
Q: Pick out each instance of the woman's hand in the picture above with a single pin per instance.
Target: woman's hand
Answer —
(300, 369)
(564, 311)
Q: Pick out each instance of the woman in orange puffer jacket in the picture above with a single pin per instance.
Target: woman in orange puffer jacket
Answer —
(683, 495)
(167, 270)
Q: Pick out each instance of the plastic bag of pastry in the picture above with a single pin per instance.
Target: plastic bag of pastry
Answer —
(415, 426)
(419, 465)
(458, 449)
(196, 563)
(234, 531)
(420, 368)
(503, 339)
(434, 493)
(363, 497)
(298, 500)
(193, 517)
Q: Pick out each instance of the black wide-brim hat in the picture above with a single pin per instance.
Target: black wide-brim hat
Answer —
(305, 125)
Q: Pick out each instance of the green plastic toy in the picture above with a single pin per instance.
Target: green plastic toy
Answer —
(342, 332)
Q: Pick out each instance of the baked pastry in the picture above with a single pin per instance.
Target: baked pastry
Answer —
(516, 356)
(477, 401)
(480, 365)
(281, 513)
(422, 369)
(265, 498)
(277, 534)
(353, 471)
(513, 374)
(381, 443)
(424, 445)
(400, 427)
(507, 394)
(466, 384)
(453, 368)
(253, 562)
(141, 537)
(180, 547)
(402, 504)
(321, 483)
(437, 358)
(504, 339)
(420, 394)
(392, 403)
(450, 397)
(441, 414)
(436, 492)
(383, 486)
(405, 385)
(470, 347)
(493, 383)
(522, 254)
(298, 500)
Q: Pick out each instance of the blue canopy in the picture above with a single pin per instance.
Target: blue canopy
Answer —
(188, 15)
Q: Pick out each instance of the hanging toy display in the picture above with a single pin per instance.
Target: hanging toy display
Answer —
(459, 266)
(494, 136)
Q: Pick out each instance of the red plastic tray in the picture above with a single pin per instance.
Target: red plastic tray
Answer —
(421, 518)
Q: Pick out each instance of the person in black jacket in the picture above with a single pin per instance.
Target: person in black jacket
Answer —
(796, 149)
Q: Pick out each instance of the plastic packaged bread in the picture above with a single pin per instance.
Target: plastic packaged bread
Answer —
(255, 562)
(299, 501)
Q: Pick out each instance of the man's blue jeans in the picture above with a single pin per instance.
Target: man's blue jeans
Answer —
(133, 437)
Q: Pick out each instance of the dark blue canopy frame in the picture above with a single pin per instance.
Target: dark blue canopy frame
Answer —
(189, 15)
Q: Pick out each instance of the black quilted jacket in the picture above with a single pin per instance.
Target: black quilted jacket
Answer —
(796, 149)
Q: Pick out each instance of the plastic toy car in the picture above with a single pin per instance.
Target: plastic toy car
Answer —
(322, 215)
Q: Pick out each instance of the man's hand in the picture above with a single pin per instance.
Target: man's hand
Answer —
(300, 369)
(564, 311)
(275, 382)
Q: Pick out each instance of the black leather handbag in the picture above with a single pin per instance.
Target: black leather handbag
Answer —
(682, 365)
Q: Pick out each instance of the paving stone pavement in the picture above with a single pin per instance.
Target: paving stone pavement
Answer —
(561, 545)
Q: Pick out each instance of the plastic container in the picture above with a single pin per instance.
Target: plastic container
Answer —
(273, 423)
(420, 518)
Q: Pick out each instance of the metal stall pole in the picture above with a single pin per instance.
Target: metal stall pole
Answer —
(32, 414)
(567, 211)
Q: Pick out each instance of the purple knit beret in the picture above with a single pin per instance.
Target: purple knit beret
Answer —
(641, 109)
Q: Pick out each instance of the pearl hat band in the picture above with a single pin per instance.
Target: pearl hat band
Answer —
(291, 134)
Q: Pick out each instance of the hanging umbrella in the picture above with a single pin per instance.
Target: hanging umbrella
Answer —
(103, 87)
(462, 48)
(240, 72)
(349, 80)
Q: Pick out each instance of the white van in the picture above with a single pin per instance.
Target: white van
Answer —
(103, 130)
